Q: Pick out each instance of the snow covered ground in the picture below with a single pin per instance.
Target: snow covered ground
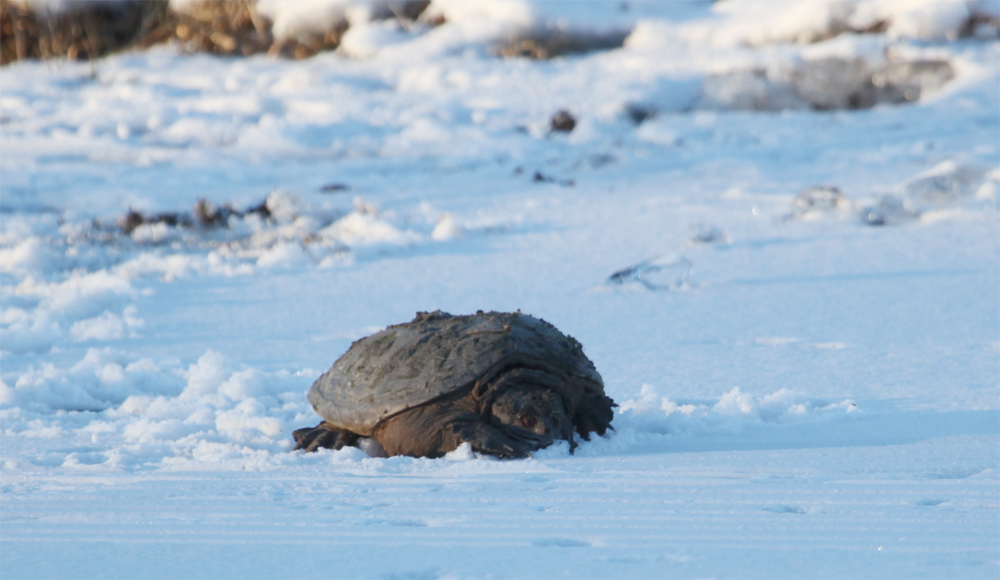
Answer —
(798, 311)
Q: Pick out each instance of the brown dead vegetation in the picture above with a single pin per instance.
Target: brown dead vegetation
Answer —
(204, 215)
(85, 34)
(224, 27)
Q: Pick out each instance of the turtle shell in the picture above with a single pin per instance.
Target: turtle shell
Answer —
(436, 354)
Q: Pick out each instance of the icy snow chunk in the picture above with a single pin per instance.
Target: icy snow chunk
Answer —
(512, 12)
(366, 40)
(239, 426)
(108, 326)
(283, 206)
(737, 403)
(888, 210)
(655, 413)
(363, 228)
(229, 455)
(464, 452)
(821, 198)
(930, 20)
(35, 333)
(945, 184)
(658, 133)
(245, 384)
(826, 84)
(835, 83)
(447, 228)
(284, 254)
(135, 405)
(558, 450)
(746, 23)
(372, 447)
(651, 402)
(6, 394)
(101, 380)
(15, 228)
(158, 232)
(304, 17)
(748, 90)
(149, 431)
(86, 294)
(205, 376)
(759, 23)
(36, 431)
(30, 255)
(819, 201)
(897, 82)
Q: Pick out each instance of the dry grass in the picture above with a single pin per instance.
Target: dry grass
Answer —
(225, 27)
(86, 34)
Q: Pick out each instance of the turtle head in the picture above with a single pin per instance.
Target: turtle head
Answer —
(534, 409)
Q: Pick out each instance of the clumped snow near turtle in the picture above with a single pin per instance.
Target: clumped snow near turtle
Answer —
(797, 310)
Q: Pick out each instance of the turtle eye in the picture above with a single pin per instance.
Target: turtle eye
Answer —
(529, 421)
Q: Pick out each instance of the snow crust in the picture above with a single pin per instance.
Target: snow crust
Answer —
(796, 310)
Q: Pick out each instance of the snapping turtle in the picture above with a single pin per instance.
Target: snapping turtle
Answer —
(507, 383)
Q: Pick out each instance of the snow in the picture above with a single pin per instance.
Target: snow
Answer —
(797, 311)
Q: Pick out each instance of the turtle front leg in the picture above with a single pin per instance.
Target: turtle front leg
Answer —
(594, 415)
(324, 436)
(505, 441)
(436, 429)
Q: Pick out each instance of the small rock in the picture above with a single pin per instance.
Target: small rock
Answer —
(639, 112)
(563, 122)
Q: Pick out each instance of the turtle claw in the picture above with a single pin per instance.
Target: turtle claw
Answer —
(323, 436)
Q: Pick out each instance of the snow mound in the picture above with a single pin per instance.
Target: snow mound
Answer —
(948, 189)
(761, 23)
(652, 411)
(824, 84)
(79, 280)
(214, 415)
(132, 413)
(654, 422)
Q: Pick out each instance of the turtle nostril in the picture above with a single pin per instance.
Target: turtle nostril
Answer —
(528, 421)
